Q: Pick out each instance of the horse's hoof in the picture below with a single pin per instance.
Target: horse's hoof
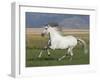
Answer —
(70, 59)
(39, 57)
(59, 59)
(48, 54)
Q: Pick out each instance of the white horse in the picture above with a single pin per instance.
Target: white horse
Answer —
(57, 41)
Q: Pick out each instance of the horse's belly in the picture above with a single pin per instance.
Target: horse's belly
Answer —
(64, 43)
(60, 45)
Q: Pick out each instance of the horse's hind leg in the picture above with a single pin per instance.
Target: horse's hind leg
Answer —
(62, 57)
(70, 52)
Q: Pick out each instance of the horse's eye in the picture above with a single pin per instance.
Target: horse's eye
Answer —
(46, 28)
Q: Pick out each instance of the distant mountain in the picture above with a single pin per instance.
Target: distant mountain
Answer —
(37, 20)
(74, 22)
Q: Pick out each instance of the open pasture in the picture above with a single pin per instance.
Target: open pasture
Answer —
(34, 44)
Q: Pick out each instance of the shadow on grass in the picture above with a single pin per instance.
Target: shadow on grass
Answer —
(42, 59)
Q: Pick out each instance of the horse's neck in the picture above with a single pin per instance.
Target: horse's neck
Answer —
(54, 34)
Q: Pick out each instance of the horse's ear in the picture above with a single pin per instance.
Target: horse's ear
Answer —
(46, 25)
(49, 25)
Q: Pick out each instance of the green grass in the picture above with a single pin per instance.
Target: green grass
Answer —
(34, 43)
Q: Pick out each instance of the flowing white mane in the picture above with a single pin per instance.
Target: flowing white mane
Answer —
(54, 30)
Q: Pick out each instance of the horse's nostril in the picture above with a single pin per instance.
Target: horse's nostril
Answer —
(42, 34)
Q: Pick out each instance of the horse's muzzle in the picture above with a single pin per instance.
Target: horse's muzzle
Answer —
(42, 34)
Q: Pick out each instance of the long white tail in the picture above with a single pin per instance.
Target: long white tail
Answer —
(85, 46)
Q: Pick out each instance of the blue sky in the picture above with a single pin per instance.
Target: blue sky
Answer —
(37, 20)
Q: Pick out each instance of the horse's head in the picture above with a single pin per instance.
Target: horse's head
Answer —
(49, 29)
(46, 30)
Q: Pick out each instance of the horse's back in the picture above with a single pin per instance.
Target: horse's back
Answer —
(71, 40)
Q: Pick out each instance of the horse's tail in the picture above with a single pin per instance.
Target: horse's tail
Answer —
(85, 45)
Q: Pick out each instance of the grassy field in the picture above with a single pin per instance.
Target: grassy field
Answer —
(34, 43)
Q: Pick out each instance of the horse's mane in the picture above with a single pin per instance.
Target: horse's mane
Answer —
(57, 30)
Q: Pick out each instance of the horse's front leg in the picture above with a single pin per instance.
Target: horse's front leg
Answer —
(46, 48)
(40, 53)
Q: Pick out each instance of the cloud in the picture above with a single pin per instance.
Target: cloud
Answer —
(74, 22)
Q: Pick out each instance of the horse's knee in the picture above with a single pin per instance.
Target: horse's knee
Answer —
(48, 52)
(71, 54)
